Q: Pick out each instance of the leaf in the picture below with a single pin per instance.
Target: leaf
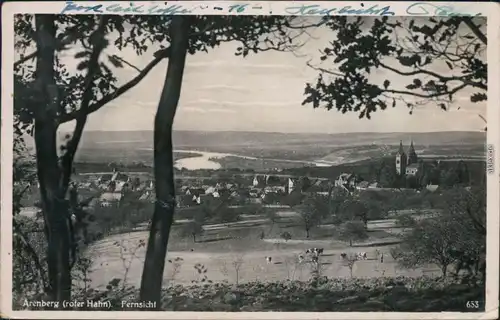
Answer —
(393, 103)
(406, 61)
(82, 65)
(115, 61)
(449, 65)
(443, 106)
(386, 84)
(81, 54)
(476, 97)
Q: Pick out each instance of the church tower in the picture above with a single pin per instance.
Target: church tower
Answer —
(412, 155)
(401, 160)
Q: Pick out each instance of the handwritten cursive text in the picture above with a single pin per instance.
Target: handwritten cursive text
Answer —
(430, 9)
(131, 8)
(347, 10)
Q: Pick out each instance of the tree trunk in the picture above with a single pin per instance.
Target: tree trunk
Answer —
(271, 229)
(154, 264)
(444, 270)
(307, 233)
(48, 171)
(55, 212)
(350, 243)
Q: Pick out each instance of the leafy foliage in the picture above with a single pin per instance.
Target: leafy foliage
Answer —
(193, 228)
(406, 47)
(286, 235)
(405, 220)
(311, 213)
(352, 231)
(455, 237)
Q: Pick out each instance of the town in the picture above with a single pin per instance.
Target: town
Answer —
(408, 172)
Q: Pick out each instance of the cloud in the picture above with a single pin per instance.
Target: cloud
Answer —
(206, 110)
(193, 109)
(224, 87)
(244, 103)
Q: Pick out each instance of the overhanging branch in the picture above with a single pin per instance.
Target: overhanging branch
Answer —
(475, 29)
(427, 96)
(421, 71)
(97, 37)
(333, 73)
(442, 78)
(159, 56)
(67, 40)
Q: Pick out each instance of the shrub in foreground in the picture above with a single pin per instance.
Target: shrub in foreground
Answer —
(401, 294)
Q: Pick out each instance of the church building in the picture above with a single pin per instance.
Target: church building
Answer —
(406, 164)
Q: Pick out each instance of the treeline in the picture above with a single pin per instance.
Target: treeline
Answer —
(383, 171)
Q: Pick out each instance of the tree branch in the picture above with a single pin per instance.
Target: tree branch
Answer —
(126, 62)
(97, 37)
(67, 40)
(421, 71)
(202, 31)
(426, 96)
(475, 29)
(159, 56)
(436, 75)
(308, 63)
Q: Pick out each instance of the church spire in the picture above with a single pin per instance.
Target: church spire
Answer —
(412, 155)
(411, 150)
(401, 150)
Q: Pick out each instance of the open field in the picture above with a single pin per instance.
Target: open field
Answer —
(224, 248)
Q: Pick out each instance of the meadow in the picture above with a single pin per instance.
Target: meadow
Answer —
(235, 252)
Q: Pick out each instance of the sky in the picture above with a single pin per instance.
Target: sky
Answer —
(262, 92)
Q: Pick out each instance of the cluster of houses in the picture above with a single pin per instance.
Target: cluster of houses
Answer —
(263, 188)
(259, 189)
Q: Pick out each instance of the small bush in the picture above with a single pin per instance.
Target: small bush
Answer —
(286, 236)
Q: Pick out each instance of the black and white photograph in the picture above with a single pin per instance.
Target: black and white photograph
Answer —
(249, 163)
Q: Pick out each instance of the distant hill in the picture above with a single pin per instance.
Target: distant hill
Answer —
(133, 146)
(188, 139)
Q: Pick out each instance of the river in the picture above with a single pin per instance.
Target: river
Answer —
(205, 160)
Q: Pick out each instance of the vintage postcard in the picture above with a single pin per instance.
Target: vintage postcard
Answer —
(250, 160)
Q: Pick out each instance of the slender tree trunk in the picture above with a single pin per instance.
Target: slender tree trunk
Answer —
(271, 229)
(350, 243)
(307, 233)
(53, 203)
(444, 270)
(154, 264)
